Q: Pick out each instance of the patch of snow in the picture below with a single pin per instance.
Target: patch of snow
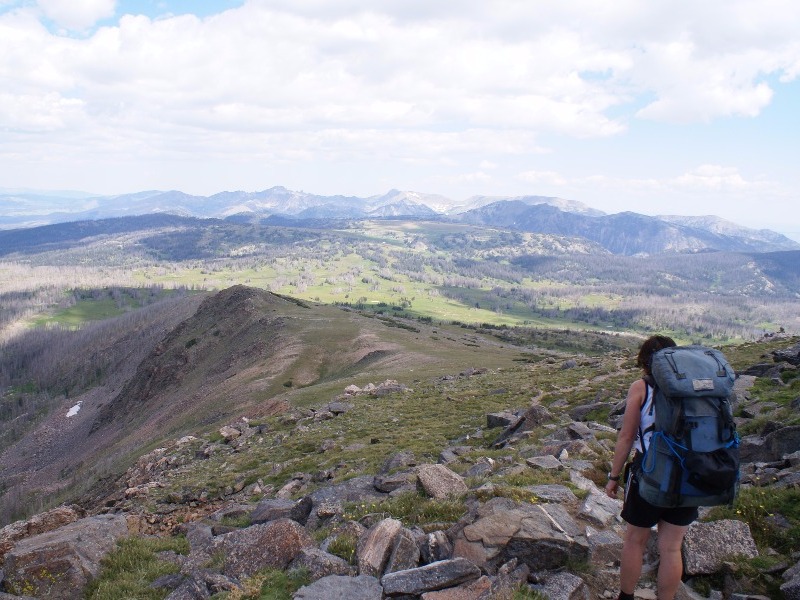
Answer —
(74, 410)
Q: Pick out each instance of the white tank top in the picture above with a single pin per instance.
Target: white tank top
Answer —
(647, 421)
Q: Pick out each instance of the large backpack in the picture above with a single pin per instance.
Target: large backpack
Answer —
(693, 455)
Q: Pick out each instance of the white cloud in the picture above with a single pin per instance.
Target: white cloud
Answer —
(406, 82)
(77, 15)
(716, 178)
(542, 177)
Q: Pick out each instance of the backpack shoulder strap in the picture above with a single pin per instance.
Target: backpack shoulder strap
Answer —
(648, 390)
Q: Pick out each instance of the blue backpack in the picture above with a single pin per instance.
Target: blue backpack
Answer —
(693, 455)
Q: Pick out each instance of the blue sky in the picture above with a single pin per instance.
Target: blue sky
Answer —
(654, 106)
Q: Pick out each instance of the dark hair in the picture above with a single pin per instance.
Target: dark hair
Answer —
(649, 347)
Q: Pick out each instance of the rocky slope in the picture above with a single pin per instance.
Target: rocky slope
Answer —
(241, 351)
(513, 502)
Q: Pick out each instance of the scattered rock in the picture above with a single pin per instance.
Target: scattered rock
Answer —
(547, 462)
(501, 419)
(229, 433)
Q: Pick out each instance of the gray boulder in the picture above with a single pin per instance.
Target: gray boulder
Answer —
(791, 589)
(790, 355)
(707, 545)
(478, 589)
(501, 419)
(273, 509)
(338, 408)
(339, 587)
(274, 545)
(550, 492)
(60, 563)
(565, 586)
(604, 547)
(202, 584)
(357, 489)
(440, 482)
(393, 481)
(190, 589)
(435, 576)
(534, 417)
(405, 553)
(375, 546)
(600, 509)
(320, 564)
(772, 447)
(436, 546)
(547, 462)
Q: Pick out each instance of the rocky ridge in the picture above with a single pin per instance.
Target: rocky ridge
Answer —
(560, 539)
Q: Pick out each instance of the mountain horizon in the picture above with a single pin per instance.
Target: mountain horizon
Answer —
(626, 232)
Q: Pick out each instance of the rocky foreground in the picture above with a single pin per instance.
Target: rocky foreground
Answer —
(561, 540)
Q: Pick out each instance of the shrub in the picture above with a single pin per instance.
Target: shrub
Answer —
(412, 509)
(132, 566)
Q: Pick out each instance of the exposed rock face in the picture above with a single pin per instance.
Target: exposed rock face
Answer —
(41, 523)
(274, 544)
(707, 545)
(58, 564)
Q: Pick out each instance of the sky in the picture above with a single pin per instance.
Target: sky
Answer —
(652, 106)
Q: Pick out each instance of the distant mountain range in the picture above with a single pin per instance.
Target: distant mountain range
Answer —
(624, 233)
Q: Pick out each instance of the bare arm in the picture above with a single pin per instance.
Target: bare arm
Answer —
(627, 435)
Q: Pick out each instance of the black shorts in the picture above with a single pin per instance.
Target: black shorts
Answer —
(639, 512)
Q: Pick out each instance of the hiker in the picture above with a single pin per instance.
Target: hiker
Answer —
(639, 515)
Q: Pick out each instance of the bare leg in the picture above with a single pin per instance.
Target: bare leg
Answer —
(670, 562)
(633, 548)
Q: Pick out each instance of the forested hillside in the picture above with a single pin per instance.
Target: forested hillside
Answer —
(441, 271)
